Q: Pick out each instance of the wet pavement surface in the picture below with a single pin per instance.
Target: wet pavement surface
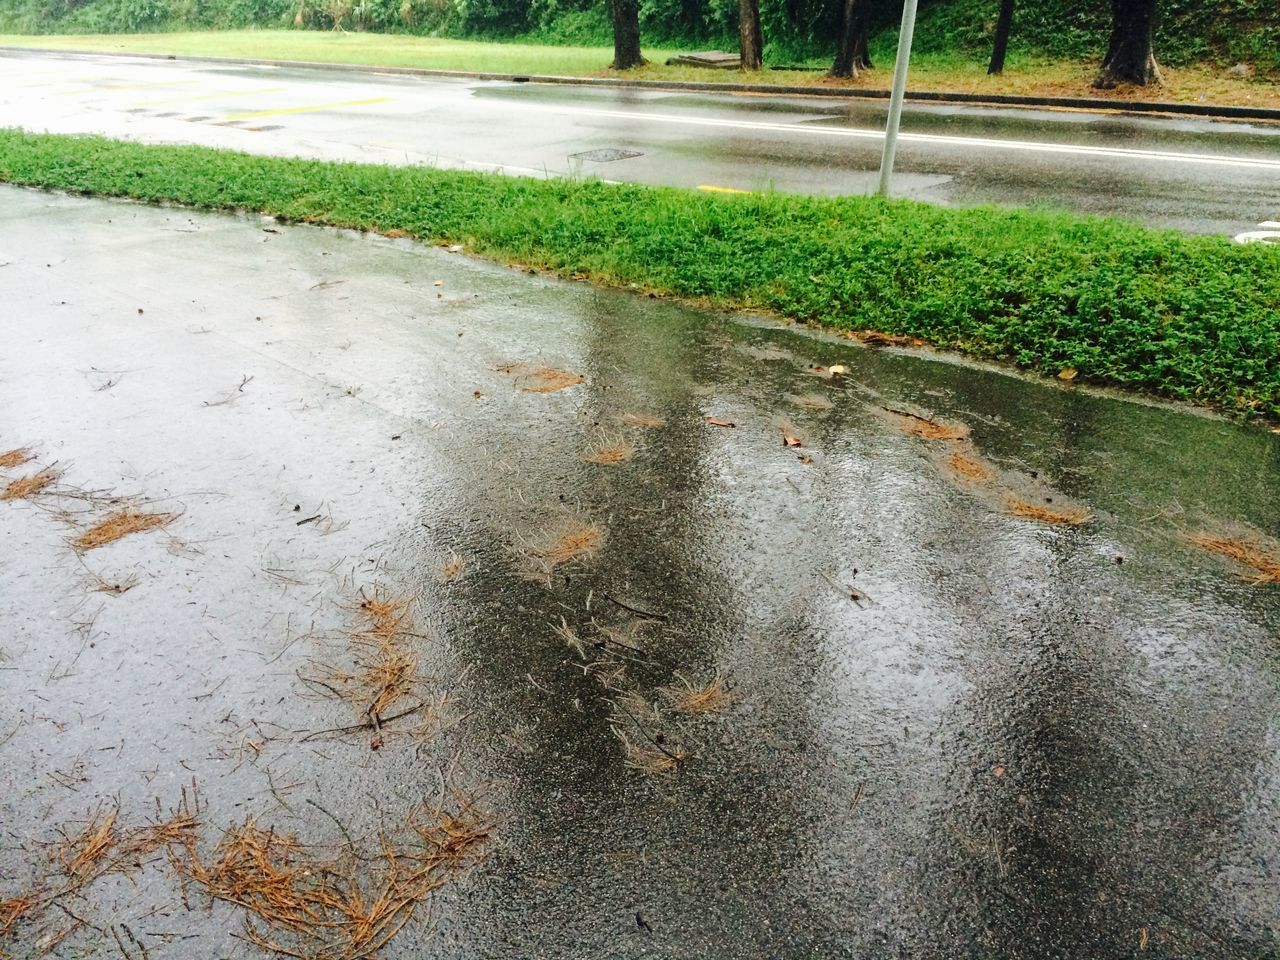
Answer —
(816, 684)
(1196, 175)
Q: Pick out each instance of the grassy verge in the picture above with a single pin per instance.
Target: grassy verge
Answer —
(1188, 317)
(930, 71)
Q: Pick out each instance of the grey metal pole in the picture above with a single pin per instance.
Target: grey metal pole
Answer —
(899, 91)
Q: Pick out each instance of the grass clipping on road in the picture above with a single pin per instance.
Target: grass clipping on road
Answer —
(1195, 318)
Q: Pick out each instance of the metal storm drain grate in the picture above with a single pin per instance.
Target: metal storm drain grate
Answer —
(607, 155)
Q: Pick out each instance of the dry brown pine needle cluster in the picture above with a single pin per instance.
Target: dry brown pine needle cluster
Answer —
(571, 541)
(14, 458)
(611, 451)
(24, 488)
(302, 902)
(120, 524)
(1062, 516)
(929, 429)
(533, 379)
(685, 696)
(101, 847)
(1246, 551)
(643, 420)
(967, 466)
(386, 666)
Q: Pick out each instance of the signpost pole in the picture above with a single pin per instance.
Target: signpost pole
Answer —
(899, 91)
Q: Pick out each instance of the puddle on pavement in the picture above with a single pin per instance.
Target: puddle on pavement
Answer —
(579, 670)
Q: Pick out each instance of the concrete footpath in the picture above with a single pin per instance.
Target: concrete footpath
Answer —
(713, 638)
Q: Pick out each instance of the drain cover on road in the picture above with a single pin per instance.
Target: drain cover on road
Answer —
(606, 155)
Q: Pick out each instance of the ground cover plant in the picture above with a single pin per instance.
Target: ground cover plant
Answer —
(1194, 318)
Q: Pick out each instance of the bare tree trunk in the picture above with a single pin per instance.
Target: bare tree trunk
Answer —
(1129, 55)
(749, 35)
(626, 34)
(852, 54)
(1004, 26)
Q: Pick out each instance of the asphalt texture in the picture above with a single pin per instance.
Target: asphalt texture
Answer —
(1196, 175)
(949, 731)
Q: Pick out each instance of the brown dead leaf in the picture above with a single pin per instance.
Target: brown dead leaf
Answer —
(1068, 374)
(791, 441)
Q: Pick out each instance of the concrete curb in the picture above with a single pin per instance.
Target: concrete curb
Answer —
(832, 93)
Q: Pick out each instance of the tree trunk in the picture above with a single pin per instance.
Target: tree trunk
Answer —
(1129, 56)
(852, 54)
(749, 35)
(626, 34)
(1004, 25)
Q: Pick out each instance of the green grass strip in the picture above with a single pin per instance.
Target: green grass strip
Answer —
(1194, 318)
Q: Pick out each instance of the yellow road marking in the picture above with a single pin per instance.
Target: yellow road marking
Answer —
(318, 106)
(123, 86)
(714, 189)
(208, 96)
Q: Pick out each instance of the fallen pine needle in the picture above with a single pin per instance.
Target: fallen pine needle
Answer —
(26, 487)
(1246, 552)
(1068, 516)
(121, 524)
(686, 697)
(612, 451)
(929, 429)
(13, 910)
(541, 379)
(14, 458)
(643, 420)
(969, 467)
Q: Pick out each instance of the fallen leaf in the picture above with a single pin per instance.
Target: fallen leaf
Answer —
(791, 441)
(806, 459)
(717, 422)
(1068, 374)
(438, 283)
(998, 770)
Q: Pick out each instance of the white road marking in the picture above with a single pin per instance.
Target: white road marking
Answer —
(1025, 146)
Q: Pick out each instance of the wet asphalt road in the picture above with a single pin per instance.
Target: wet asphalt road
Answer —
(1194, 175)
(954, 732)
